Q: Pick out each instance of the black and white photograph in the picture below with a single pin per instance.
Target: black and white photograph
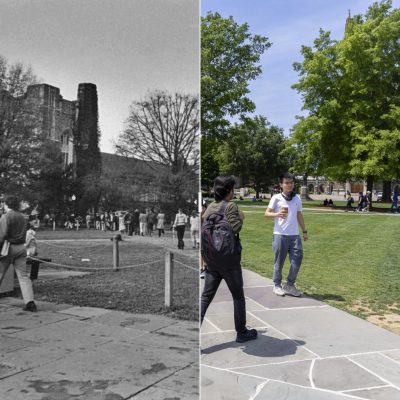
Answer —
(99, 213)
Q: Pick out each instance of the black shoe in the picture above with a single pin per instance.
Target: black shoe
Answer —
(31, 306)
(248, 334)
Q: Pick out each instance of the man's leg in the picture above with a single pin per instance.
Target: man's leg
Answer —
(234, 281)
(5, 263)
(280, 245)
(296, 257)
(18, 253)
(211, 284)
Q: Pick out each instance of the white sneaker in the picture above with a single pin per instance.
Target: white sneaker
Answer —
(291, 290)
(278, 290)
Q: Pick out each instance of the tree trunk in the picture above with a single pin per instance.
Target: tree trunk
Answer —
(370, 184)
(387, 191)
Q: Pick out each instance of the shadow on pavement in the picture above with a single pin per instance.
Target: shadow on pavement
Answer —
(263, 346)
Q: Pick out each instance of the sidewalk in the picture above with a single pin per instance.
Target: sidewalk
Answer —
(64, 352)
(306, 350)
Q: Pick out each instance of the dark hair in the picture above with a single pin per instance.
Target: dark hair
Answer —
(286, 175)
(12, 202)
(222, 186)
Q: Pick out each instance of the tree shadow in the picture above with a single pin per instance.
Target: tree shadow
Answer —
(263, 346)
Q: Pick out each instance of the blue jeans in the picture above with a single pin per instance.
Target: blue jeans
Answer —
(282, 245)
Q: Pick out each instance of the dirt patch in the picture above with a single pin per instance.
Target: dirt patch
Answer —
(388, 321)
(385, 318)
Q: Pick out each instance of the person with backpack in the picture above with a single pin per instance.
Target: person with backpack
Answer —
(221, 250)
(286, 209)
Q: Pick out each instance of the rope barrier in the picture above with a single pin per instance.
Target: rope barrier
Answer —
(92, 269)
(62, 246)
(187, 266)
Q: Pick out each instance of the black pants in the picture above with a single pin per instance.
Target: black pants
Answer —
(180, 230)
(234, 281)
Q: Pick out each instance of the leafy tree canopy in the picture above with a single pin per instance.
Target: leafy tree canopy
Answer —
(230, 59)
(351, 89)
(254, 150)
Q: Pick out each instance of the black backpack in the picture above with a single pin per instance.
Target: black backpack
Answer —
(220, 247)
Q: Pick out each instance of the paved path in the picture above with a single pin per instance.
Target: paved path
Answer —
(64, 352)
(306, 350)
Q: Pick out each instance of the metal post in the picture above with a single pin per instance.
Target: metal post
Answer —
(115, 253)
(169, 269)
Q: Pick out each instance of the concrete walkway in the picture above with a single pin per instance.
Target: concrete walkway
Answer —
(306, 350)
(64, 352)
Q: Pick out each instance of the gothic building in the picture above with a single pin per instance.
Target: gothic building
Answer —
(57, 116)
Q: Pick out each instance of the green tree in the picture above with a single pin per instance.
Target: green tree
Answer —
(230, 59)
(254, 150)
(351, 89)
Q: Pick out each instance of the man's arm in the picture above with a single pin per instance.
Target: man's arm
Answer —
(234, 217)
(270, 213)
(300, 220)
(3, 228)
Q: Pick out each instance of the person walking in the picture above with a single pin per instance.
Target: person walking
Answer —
(230, 272)
(143, 223)
(194, 229)
(395, 200)
(286, 209)
(179, 225)
(160, 223)
(135, 222)
(13, 228)
(88, 220)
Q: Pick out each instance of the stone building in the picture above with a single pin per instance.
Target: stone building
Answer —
(56, 115)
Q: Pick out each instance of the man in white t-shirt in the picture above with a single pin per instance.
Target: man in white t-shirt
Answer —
(286, 208)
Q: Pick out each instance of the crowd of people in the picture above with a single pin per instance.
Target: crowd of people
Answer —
(145, 222)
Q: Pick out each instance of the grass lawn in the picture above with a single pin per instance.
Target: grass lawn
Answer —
(140, 289)
(380, 206)
(351, 261)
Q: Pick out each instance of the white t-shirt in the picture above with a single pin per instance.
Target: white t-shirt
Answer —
(288, 225)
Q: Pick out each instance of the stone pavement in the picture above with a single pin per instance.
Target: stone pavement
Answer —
(64, 352)
(306, 350)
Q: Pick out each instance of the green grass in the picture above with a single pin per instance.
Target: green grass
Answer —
(311, 203)
(350, 259)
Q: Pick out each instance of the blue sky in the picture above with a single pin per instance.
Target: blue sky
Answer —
(288, 24)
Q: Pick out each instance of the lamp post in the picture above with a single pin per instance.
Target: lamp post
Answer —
(73, 198)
